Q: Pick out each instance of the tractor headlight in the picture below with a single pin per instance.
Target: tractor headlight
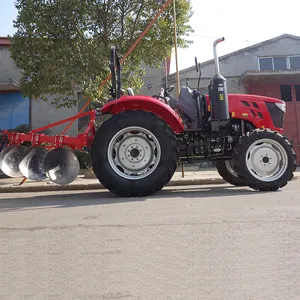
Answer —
(281, 106)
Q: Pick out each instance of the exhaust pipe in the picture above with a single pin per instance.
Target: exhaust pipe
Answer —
(218, 91)
(217, 65)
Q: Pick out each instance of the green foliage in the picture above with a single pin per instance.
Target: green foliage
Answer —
(23, 128)
(62, 45)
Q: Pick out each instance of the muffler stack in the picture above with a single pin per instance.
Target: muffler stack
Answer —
(60, 165)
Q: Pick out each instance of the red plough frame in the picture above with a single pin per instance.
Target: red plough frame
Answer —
(57, 141)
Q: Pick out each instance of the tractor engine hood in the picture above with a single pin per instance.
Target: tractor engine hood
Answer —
(262, 111)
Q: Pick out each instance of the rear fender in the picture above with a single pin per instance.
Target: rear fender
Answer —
(148, 104)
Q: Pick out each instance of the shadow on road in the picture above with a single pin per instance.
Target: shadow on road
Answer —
(75, 199)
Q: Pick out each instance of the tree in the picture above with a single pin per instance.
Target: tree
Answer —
(62, 45)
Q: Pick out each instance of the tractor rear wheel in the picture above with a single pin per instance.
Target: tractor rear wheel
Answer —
(265, 159)
(134, 154)
(227, 171)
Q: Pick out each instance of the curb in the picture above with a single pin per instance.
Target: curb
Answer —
(98, 186)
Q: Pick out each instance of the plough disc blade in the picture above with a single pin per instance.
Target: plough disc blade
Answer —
(61, 166)
(32, 166)
(12, 160)
(4, 152)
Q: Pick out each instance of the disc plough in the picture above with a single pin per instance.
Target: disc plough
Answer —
(38, 157)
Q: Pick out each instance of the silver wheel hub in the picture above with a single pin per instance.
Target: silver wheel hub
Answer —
(266, 160)
(230, 167)
(134, 153)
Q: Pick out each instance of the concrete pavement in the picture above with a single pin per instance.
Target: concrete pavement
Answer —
(198, 242)
(192, 176)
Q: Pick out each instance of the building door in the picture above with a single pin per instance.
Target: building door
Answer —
(14, 110)
(290, 93)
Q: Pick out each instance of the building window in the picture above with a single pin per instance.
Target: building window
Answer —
(266, 63)
(297, 91)
(295, 62)
(286, 93)
(279, 63)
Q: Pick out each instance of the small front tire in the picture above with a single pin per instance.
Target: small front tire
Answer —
(265, 159)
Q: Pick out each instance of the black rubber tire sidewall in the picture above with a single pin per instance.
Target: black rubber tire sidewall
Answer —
(227, 175)
(157, 179)
(242, 168)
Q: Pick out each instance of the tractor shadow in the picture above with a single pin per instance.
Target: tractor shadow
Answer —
(100, 197)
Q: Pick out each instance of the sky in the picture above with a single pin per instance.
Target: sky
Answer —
(242, 23)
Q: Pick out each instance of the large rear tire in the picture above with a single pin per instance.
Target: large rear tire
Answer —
(265, 159)
(227, 171)
(134, 154)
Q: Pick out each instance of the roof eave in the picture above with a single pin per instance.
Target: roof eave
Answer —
(240, 51)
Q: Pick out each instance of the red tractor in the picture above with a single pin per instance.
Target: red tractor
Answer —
(136, 151)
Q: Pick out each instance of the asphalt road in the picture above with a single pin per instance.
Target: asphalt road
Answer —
(208, 242)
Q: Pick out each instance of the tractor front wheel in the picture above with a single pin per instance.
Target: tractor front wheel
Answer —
(227, 171)
(134, 154)
(265, 159)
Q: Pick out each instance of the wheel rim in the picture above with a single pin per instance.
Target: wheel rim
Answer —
(134, 153)
(266, 160)
(230, 167)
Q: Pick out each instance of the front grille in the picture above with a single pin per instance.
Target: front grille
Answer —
(276, 114)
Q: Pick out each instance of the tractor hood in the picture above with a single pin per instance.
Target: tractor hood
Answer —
(238, 101)
(262, 111)
(255, 101)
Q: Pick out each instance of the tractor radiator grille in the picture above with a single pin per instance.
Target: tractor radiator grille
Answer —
(276, 114)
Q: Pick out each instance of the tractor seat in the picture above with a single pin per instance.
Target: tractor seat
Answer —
(188, 105)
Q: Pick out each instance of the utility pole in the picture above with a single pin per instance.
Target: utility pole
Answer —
(176, 53)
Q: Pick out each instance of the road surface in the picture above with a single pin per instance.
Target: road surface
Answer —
(206, 242)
